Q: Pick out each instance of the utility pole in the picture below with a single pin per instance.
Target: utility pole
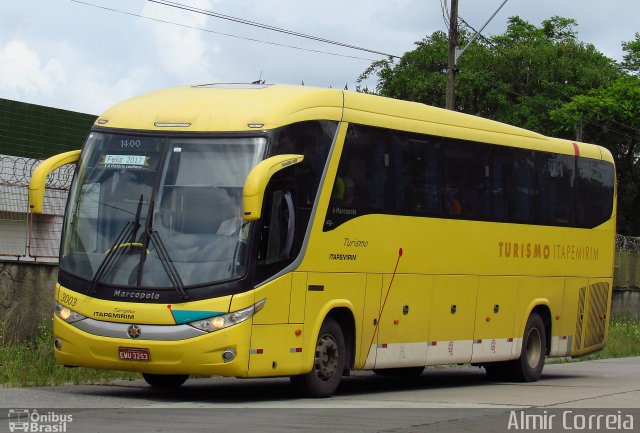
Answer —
(455, 53)
(453, 42)
(579, 131)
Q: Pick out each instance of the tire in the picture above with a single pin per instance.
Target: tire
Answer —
(165, 381)
(399, 371)
(328, 365)
(528, 367)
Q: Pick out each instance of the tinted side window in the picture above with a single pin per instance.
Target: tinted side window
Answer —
(395, 172)
(513, 185)
(595, 192)
(556, 189)
(292, 192)
(419, 172)
(313, 140)
(363, 182)
(466, 180)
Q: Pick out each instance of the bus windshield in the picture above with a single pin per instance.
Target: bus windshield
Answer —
(191, 187)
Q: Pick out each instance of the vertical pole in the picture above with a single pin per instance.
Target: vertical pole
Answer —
(579, 131)
(453, 42)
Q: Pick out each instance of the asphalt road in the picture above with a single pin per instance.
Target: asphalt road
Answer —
(442, 399)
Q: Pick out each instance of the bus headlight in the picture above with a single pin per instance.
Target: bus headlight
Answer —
(224, 321)
(66, 314)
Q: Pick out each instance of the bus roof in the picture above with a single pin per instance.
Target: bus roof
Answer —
(226, 107)
(247, 107)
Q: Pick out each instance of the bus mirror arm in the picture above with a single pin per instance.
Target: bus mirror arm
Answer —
(39, 177)
(257, 180)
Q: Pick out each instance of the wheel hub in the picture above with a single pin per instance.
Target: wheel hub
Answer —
(326, 359)
(534, 347)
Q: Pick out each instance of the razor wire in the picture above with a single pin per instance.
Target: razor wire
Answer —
(17, 171)
(627, 243)
(38, 237)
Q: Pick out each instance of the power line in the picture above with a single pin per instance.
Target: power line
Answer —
(443, 5)
(221, 33)
(266, 26)
(483, 37)
(497, 48)
(445, 12)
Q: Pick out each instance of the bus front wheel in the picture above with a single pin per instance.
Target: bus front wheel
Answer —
(165, 381)
(328, 363)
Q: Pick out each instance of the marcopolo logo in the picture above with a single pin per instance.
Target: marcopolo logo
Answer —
(134, 294)
(25, 420)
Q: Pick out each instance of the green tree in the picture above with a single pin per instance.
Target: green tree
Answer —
(610, 116)
(420, 75)
(516, 77)
(537, 77)
(631, 60)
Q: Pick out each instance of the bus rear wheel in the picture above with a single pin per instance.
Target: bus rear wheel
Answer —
(328, 364)
(165, 381)
(528, 367)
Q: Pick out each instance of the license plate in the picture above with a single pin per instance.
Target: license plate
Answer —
(134, 354)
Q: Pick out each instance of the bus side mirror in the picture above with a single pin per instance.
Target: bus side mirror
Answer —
(257, 180)
(39, 177)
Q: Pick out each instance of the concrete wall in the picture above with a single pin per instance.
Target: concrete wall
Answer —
(26, 298)
(626, 303)
(627, 269)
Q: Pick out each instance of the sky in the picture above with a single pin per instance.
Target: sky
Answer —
(70, 55)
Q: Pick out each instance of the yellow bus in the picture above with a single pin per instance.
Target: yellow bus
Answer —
(275, 230)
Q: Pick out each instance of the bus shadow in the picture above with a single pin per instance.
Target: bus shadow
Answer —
(238, 391)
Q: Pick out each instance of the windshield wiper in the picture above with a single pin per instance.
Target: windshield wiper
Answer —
(129, 231)
(163, 255)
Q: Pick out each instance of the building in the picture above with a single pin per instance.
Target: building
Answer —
(29, 134)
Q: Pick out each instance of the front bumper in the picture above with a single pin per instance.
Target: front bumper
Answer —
(201, 355)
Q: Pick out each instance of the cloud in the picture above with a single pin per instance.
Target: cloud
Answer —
(67, 79)
(183, 53)
(23, 72)
(95, 89)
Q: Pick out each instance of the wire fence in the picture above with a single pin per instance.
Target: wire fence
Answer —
(25, 236)
(627, 262)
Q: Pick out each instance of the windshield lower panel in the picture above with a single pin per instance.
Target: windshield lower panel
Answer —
(133, 192)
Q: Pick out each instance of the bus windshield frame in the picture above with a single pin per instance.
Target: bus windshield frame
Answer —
(192, 188)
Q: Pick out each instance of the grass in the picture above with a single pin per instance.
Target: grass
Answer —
(624, 340)
(32, 364)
